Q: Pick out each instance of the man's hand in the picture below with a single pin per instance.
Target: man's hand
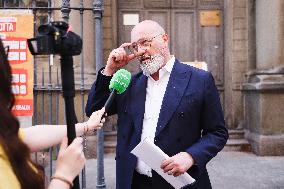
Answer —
(117, 59)
(177, 164)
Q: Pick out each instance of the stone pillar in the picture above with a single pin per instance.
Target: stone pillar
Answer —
(236, 60)
(88, 39)
(264, 90)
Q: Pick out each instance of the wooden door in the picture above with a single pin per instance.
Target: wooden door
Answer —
(182, 19)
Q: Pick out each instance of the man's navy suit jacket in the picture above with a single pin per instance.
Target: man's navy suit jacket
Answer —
(190, 120)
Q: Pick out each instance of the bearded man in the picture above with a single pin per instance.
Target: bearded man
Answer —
(171, 103)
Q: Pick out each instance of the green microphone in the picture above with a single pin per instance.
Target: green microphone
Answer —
(118, 84)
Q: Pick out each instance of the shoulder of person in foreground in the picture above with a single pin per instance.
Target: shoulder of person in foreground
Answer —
(7, 177)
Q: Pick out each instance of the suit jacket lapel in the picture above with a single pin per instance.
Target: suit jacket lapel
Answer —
(177, 84)
(138, 98)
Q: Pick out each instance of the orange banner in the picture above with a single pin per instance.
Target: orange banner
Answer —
(16, 26)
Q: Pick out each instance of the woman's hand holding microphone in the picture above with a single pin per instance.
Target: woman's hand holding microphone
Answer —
(71, 159)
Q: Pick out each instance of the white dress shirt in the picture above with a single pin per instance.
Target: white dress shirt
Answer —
(155, 92)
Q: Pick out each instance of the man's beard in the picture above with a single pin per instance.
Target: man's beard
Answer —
(153, 65)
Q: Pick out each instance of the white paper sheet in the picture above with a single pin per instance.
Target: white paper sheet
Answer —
(153, 156)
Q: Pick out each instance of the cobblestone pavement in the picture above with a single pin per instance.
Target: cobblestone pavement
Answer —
(228, 170)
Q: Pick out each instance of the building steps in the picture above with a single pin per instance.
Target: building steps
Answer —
(110, 141)
(236, 141)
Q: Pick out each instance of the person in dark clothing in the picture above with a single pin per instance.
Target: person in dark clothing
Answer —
(173, 104)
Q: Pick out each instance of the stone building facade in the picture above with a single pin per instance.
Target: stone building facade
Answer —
(244, 51)
(263, 89)
(253, 64)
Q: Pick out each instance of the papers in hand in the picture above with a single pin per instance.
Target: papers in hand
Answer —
(153, 156)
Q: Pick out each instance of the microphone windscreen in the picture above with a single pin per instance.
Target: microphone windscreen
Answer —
(120, 81)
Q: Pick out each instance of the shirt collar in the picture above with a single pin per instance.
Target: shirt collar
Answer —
(166, 69)
(169, 65)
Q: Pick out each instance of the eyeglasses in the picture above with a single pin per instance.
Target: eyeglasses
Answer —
(6, 49)
(142, 43)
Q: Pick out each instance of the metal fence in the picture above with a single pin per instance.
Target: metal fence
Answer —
(47, 84)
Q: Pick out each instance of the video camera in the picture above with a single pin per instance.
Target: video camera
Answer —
(54, 38)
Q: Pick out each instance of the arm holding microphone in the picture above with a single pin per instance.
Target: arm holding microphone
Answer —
(43, 136)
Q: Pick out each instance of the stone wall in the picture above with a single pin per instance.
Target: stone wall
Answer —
(254, 66)
(264, 89)
(236, 59)
(109, 27)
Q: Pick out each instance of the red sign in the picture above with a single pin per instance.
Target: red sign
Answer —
(23, 107)
(16, 26)
(18, 49)
(20, 82)
(8, 24)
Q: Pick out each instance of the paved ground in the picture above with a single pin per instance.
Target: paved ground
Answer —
(228, 170)
(237, 170)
